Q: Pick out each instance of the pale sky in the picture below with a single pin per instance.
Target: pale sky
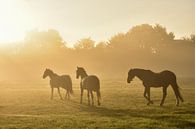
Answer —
(98, 19)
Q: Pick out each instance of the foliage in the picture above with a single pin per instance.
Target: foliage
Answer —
(50, 39)
(86, 43)
(146, 46)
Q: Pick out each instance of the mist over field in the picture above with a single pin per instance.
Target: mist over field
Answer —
(143, 46)
(100, 64)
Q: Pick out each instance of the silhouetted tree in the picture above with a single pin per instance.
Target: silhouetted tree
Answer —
(142, 36)
(50, 39)
(86, 43)
(192, 38)
(171, 36)
(101, 45)
(186, 39)
(162, 33)
(118, 40)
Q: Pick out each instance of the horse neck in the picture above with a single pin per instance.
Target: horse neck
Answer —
(83, 75)
(51, 75)
(139, 74)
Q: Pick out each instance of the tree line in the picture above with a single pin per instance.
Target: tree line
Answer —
(147, 46)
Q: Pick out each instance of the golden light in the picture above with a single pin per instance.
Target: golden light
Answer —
(14, 21)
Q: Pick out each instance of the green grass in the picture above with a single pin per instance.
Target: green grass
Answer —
(26, 106)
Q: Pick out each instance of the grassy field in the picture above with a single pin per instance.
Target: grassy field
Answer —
(123, 106)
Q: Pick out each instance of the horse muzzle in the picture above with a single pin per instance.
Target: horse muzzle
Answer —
(44, 77)
(128, 81)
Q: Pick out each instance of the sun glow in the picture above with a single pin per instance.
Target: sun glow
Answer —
(14, 21)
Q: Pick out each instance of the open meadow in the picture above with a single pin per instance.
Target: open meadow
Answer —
(28, 105)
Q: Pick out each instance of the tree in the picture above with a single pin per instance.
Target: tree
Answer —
(86, 43)
(101, 45)
(171, 36)
(118, 41)
(192, 38)
(142, 36)
(50, 39)
(162, 33)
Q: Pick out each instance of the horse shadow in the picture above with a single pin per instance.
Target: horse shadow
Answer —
(123, 114)
(173, 119)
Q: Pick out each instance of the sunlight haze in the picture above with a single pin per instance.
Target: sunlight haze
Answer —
(98, 19)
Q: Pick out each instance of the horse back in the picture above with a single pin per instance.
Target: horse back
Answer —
(159, 79)
(63, 81)
(66, 79)
(91, 82)
(168, 75)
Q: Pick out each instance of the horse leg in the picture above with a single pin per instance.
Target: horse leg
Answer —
(148, 93)
(81, 99)
(145, 94)
(88, 96)
(164, 95)
(66, 94)
(59, 93)
(51, 93)
(176, 94)
(91, 92)
(98, 97)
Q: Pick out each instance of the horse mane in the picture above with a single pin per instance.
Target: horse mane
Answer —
(81, 68)
(133, 69)
(52, 72)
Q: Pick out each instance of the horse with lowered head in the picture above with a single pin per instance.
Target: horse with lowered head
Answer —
(151, 79)
(56, 81)
(90, 83)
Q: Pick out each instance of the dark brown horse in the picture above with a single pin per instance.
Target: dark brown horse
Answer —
(57, 81)
(151, 79)
(90, 83)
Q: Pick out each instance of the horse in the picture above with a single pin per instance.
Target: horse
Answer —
(151, 79)
(57, 81)
(90, 83)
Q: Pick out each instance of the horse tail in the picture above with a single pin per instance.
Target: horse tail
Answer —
(70, 86)
(177, 91)
(98, 94)
(71, 90)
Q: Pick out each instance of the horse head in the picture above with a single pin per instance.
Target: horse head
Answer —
(80, 72)
(131, 75)
(47, 73)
